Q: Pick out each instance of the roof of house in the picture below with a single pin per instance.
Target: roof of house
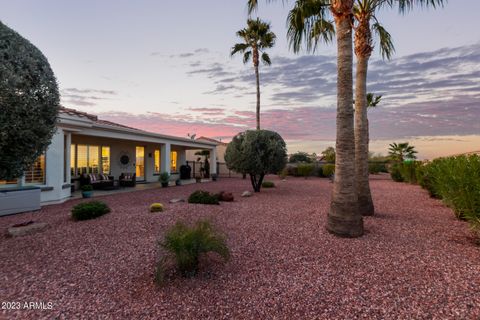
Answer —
(105, 124)
(212, 140)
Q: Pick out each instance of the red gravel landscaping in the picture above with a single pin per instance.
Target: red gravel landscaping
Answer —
(416, 261)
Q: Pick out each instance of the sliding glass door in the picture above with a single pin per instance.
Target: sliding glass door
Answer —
(140, 163)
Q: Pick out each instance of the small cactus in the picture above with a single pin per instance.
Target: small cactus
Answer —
(156, 207)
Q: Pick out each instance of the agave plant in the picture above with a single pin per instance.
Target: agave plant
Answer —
(185, 245)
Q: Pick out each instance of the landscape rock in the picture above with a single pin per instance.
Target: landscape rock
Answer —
(176, 200)
(246, 194)
(225, 196)
(26, 229)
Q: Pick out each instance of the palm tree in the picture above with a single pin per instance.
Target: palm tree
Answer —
(309, 22)
(257, 37)
(401, 151)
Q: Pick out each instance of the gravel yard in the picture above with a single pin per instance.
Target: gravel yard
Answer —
(416, 261)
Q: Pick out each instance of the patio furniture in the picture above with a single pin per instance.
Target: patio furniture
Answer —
(98, 181)
(185, 172)
(127, 180)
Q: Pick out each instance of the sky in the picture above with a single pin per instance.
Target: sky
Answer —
(164, 66)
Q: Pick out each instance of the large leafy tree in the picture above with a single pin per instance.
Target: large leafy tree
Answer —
(257, 37)
(402, 151)
(256, 152)
(29, 103)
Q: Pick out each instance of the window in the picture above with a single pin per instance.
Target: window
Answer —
(156, 157)
(106, 160)
(88, 159)
(6, 183)
(36, 173)
(140, 163)
(73, 160)
(173, 161)
(65, 164)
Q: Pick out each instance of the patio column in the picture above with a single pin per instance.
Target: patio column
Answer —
(213, 161)
(165, 154)
(182, 158)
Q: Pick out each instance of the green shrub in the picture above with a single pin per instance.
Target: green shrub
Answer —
(185, 246)
(305, 169)
(328, 170)
(89, 210)
(203, 197)
(292, 171)
(164, 177)
(87, 187)
(377, 167)
(396, 173)
(268, 184)
(283, 174)
(408, 171)
(156, 207)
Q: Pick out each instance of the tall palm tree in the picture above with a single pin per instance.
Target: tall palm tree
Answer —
(257, 37)
(309, 22)
(402, 151)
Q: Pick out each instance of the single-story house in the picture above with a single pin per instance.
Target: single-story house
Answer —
(85, 144)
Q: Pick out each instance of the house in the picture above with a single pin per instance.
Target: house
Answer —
(85, 144)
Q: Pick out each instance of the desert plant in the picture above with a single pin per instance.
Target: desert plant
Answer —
(329, 154)
(401, 151)
(375, 167)
(256, 152)
(224, 196)
(203, 197)
(164, 177)
(268, 184)
(300, 157)
(396, 173)
(283, 173)
(408, 171)
(305, 169)
(29, 103)
(185, 245)
(89, 210)
(328, 170)
(156, 207)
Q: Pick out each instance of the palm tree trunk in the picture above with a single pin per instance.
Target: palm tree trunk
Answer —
(257, 77)
(365, 202)
(343, 217)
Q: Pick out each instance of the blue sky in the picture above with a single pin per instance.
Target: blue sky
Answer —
(165, 66)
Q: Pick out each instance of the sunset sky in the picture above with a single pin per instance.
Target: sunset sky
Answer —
(164, 66)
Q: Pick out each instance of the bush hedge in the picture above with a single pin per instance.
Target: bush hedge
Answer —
(305, 169)
(268, 184)
(456, 180)
(89, 210)
(328, 170)
(203, 197)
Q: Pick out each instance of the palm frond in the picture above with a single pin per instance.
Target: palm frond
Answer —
(239, 47)
(309, 22)
(246, 56)
(266, 59)
(386, 44)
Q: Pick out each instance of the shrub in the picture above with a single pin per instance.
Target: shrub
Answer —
(256, 152)
(89, 210)
(395, 173)
(29, 103)
(156, 207)
(305, 169)
(87, 187)
(408, 170)
(301, 157)
(203, 197)
(377, 167)
(328, 170)
(268, 184)
(292, 171)
(283, 174)
(225, 196)
(186, 245)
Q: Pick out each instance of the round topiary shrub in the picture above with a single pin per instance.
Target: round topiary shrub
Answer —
(156, 207)
(268, 184)
(29, 103)
(89, 210)
(256, 152)
(203, 197)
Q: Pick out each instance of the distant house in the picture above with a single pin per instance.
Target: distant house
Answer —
(84, 144)
(221, 147)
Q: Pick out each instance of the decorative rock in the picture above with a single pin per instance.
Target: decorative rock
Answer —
(225, 196)
(246, 194)
(176, 200)
(26, 229)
